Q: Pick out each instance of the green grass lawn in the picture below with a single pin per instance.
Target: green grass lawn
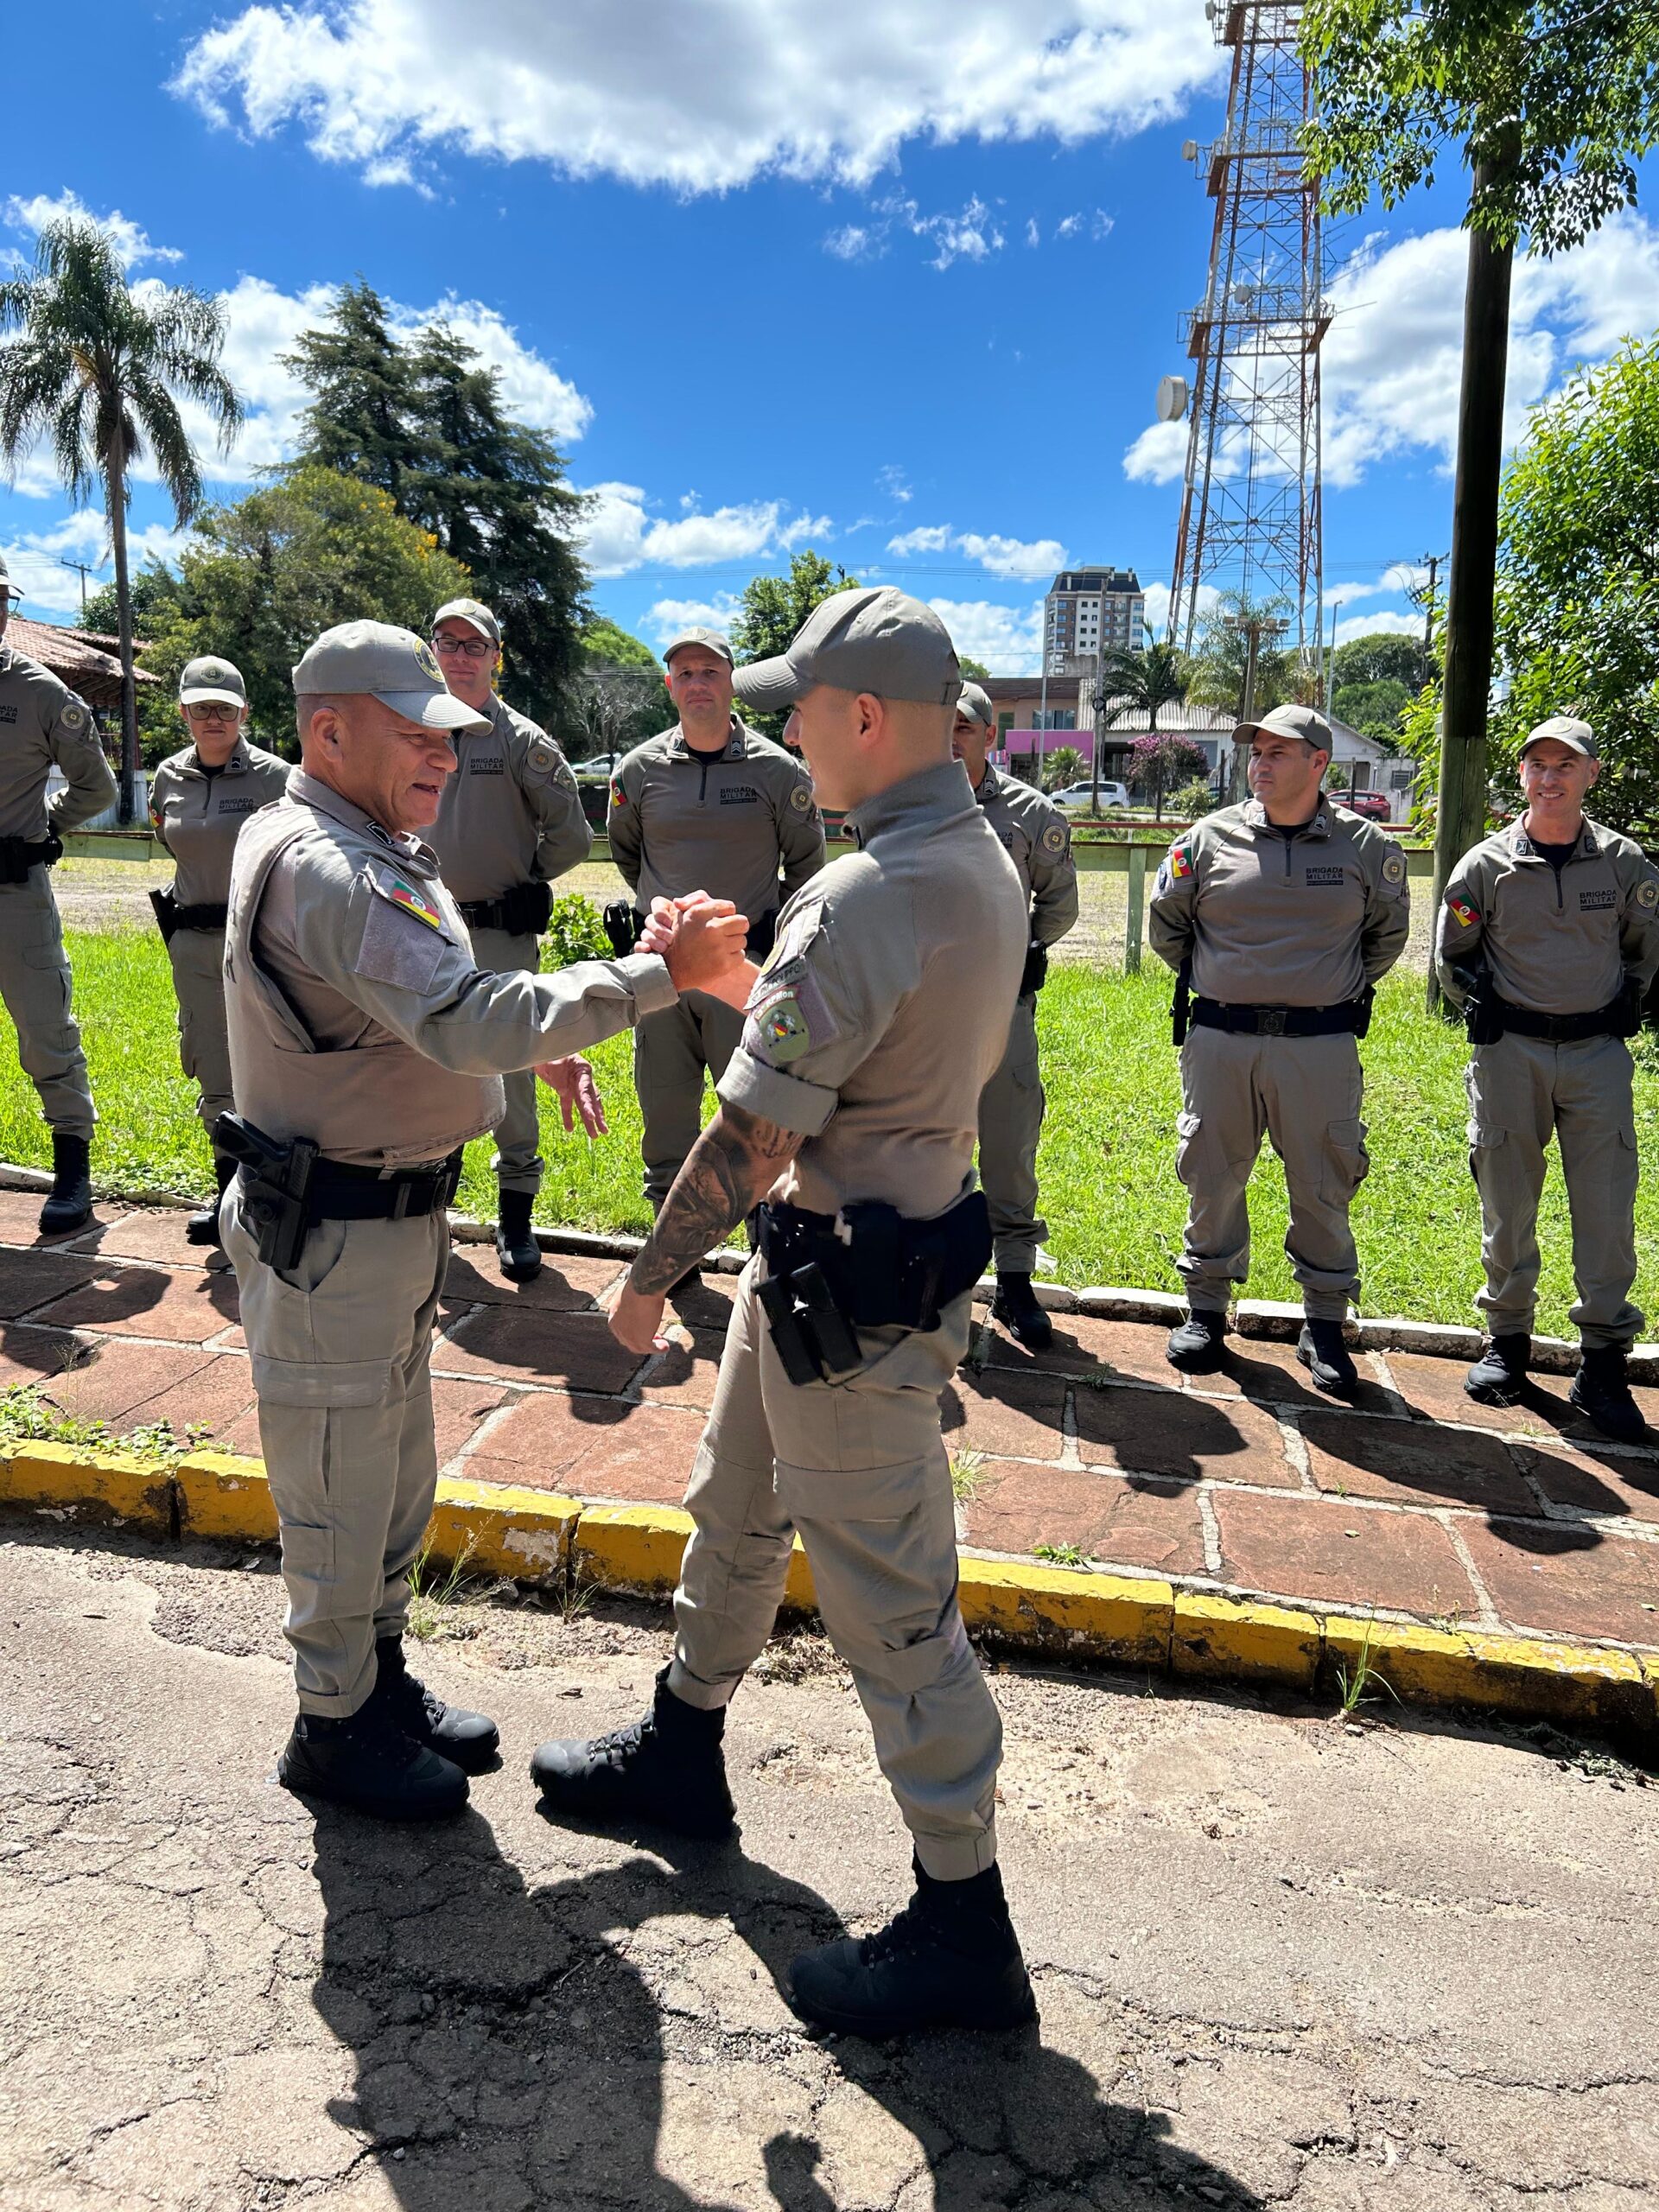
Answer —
(1114, 1206)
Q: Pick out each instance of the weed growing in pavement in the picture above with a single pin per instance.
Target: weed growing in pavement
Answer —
(1062, 1554)
(159, 1441)
(1354, 1689)
(967, 1472)
(25, 1418)
(431, 1588)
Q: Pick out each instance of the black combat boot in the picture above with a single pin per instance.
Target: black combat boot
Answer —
(1197, 1347)
(470, 1739)
(69, 1202)
(666, 1767)
(950, 1959)
(1498, 1377)
(368, 1764)
(1323, 1353)
(202, 1227)
(1016, 1307)
(1601, 1391)
(515, 1240)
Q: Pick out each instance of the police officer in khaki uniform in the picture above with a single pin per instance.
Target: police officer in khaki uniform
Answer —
(709, 804)
(510, 825)
(1282, 912)
(199, 799)
(1547, 939)
(42, 726)
(366, 1049)
(851, 1106)
(1036, 837)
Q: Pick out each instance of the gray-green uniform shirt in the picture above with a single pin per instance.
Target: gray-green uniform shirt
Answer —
(197, 816)
(511, 813)
(42, 723)
(722, 823)
(1308, 920)
(1555, 941)
(1037, 838)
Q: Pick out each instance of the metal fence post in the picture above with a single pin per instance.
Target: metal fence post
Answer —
(1137, 903)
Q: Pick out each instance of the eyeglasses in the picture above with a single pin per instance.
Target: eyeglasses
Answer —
(467, 648)
(210, 710)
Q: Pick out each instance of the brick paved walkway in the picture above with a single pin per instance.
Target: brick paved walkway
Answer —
(1414, 1502)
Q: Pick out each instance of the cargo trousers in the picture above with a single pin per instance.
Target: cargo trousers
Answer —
(1010, 1124)
(1303, 1094)
(36, 989)
(859, 1468)
(342, 1350)
(197, 957)
(1522, 1092)
(671, 1050)
(517, 1164)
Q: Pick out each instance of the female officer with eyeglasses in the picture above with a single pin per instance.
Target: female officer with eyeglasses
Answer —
(199, 799)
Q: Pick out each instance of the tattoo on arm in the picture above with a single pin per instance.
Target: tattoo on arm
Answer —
(729, 1170)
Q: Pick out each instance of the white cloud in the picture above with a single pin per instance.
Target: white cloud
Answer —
(854, 242)
(1392, 360)
(821, 93)
(1004, 557)
(892, 480)
(35, 559)
(130, 242)
(973, 235)
(1385, 618)
(667, 618)
(1157, 456)
(1009, 640)
(1157, 598)
(1034, 236)
(1096, 225)
(621, 533)
(1403, 575)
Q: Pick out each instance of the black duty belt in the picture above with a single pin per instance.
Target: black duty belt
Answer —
(1352, 1018)
(523, 910)
(19, 854)
(1610, 1020)
(205, 916)
(338, 1192)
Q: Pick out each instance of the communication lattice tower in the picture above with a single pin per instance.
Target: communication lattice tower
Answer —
(1250, 509)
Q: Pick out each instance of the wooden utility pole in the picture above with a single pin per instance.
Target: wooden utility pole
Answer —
(1462, 814)
(1424, 596)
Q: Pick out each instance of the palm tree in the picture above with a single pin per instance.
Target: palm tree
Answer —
(94, 368)
(1137, 683)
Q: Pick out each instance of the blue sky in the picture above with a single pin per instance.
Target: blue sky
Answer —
(895, 281)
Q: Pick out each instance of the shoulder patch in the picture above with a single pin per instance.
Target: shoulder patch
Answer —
(1394, 868)
(1462, 912)
(801, 799)
(619, 796)
(1647, 893)
(1180, 862)
(1053, 838)
(409, 898)
(73, 716)
(781, 1032)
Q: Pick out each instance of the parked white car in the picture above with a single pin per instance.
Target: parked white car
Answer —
(1079, 798)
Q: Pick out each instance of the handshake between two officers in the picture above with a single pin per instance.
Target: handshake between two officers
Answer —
(702, 941)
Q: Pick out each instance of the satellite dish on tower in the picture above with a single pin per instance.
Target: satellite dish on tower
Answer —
(1171, 398)
(1189, 149)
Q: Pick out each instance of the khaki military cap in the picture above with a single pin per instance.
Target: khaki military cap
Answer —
(712, 638)
(8, 589)
(1567, 730)
(870, 639)
(474, 613)
(975, 703)
(394, 667)
(1305, 722)
(208, 678)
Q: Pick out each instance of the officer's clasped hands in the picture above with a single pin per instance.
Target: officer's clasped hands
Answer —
(703, 941)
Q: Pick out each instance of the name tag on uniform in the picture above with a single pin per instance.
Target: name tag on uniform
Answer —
(1327, 875)
(240, 806)
(7, 713)
(738, 795)
(1590, 900)
(491, 764)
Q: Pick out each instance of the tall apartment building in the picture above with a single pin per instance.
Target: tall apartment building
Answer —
(1088, 609)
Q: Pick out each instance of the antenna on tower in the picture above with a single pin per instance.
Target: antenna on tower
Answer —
(1251, 518)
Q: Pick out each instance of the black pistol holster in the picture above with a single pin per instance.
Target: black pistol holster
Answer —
(1034, 974)
(171, 918)
(166, 913)
(1482, 1010)
(867, 1267)
(275, 1187)
(19, 854)
(523, 910)
(1181, 1005)
(623, 926)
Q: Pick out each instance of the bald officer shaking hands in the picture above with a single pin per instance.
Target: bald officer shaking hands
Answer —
(1547, 939)
(1281, 913)
(366, 1049)
(850, 1108)
(509, 825)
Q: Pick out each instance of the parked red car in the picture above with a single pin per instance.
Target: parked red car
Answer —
(1374, 806)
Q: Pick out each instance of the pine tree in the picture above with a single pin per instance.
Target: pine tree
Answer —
(361, 421)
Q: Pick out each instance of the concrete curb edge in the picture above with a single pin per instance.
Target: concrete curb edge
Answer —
(1083, 1616)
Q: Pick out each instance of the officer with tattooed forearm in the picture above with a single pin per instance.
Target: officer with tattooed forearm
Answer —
(850, 1108)
(366, 1049)
(1548, 940)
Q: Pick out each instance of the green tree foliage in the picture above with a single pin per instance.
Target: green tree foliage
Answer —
(1216, 671)
(1062, 767)
(422, 419)
(1160, 763)
(263, 578)
(773, 608)
(98, 369)
(1374, 710)
(1577, 593)
(1380, 657)
(974, 671)
(603, 644)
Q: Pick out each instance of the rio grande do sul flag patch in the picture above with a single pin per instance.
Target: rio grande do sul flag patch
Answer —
(1180, 862)
(398, 891)
(1463, 913)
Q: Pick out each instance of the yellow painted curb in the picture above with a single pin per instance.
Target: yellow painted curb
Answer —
(1608, 1690)
(630, 1546)
(1230, 1640)
(220, 1495)
(525, 1534)
(1063, 1609)
(114, 1488)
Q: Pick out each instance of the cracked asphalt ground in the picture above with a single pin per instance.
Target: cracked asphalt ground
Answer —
(1280, 1962)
